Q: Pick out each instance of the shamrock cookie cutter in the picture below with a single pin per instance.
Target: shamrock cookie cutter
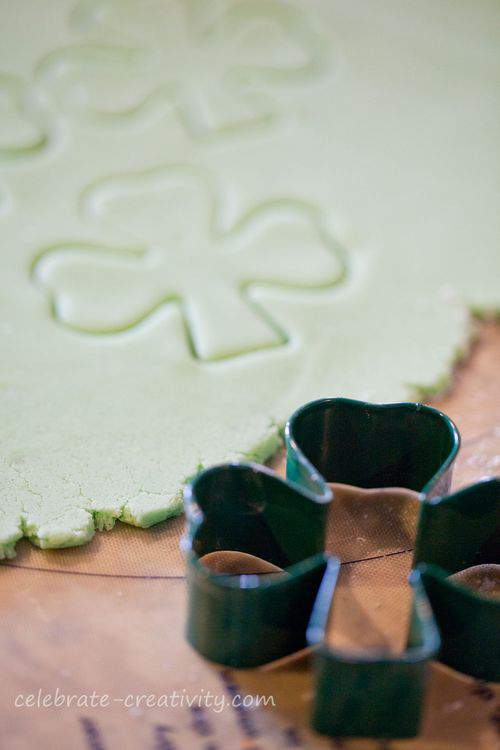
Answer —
(260, 583)
(457, 558)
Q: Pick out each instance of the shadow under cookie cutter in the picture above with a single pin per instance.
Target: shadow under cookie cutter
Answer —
(282, 599)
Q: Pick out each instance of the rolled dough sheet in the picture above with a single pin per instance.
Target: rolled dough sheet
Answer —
(213, 212)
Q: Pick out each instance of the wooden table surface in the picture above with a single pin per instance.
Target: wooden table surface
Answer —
(107, 620)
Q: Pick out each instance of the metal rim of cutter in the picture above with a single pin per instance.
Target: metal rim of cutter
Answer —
(455, 532)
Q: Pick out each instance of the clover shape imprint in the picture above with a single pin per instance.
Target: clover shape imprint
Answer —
(217, 65)
(23, 128)
(177, 252)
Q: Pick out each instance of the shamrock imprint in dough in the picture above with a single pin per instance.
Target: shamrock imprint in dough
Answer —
(175, 250)
(217, 65)
(22, 132)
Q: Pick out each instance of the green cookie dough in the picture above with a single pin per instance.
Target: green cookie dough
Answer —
(211, 213)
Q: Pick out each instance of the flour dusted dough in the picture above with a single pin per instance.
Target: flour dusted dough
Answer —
(213, 212)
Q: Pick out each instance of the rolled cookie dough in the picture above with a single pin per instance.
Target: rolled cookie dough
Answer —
(213, 212)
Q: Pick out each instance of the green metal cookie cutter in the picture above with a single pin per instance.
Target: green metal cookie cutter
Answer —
(461, 534)
(244, 620)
